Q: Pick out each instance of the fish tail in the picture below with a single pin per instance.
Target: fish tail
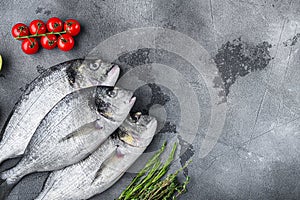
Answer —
(6, 152)
(13, 175)
(5, 189)
(2, 154)
(2, 159)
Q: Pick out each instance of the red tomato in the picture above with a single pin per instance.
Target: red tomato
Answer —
(30, 46)
(65, 42)
(54, 24)
(19, 29)
(72, 27)
(37, 27)
(49, 42)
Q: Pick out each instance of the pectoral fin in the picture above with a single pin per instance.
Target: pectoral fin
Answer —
(84, 131)
(111, 156)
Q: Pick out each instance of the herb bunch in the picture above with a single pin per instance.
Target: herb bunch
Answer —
(151, 182)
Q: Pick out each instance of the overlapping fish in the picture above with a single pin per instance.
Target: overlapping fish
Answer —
(105, 166)
(44, 93)
(72, 130)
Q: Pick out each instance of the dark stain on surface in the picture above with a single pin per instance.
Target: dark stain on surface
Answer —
(135, 58)
(168, 127)
(154, 96)
(292, 41)
(40, 69)
(186, 155)
(97, 6)
(47, 12)
(169, 25)
(238, 58)
(158, 96)
(218, 83)
(39, 10)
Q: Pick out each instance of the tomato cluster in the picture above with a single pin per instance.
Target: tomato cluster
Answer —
(48, 40)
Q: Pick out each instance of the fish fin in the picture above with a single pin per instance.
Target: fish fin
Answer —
(109, 157)
(5, 189)
(83, 131)
(5, 158)
(15, 174)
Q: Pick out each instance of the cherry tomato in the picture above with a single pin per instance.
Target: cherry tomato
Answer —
(30, 46)
(49, 42)
(37, 27)
(54, 24)
(19, 29)
(65, 42)
(72, 27)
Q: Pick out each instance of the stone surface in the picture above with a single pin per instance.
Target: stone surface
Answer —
(254, 45)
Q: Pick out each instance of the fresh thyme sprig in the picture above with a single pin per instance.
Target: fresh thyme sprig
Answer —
(149, 183)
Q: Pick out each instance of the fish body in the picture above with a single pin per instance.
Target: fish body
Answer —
(72, 130)
(44, 93)
(105, 166)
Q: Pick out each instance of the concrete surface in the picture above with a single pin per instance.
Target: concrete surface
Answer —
(254, 45)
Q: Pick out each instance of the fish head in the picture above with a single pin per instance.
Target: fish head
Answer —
(138, 131)
(94, 72)
(114, 103)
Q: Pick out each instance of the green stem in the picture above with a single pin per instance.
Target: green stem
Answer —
(149, 165)
(31, 43)
(148, 184)
(39, 35)
(157, 172)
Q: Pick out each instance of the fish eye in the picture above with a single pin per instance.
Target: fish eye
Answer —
(135, 118)
(94, 66)
(111, 93)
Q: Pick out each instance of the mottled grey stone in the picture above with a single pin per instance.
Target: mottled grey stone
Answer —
(257, 155)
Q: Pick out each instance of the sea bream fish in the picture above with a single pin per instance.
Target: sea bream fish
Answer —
(72, 130)
(44, 92)
(105, 166)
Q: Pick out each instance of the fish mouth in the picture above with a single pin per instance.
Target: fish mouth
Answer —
(112, 76)
(108, 116)
(132, 100)
(152, 123)
(133, 137)
(143, 120)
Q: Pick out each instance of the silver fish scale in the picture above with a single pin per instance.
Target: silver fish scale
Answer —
(101, 169)
(70, 110)
(86, 169)
(38, 99)
(65, 139)
(26, 119)
(52, 128)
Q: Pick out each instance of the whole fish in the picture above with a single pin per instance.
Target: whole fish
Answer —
(72, 130)
(46, 91)
(105, 166)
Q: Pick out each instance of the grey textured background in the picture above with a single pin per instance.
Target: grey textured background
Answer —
(255, 46)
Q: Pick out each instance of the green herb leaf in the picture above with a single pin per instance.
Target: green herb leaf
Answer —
(149, 183)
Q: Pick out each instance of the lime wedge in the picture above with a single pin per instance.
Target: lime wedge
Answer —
(0, 62)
